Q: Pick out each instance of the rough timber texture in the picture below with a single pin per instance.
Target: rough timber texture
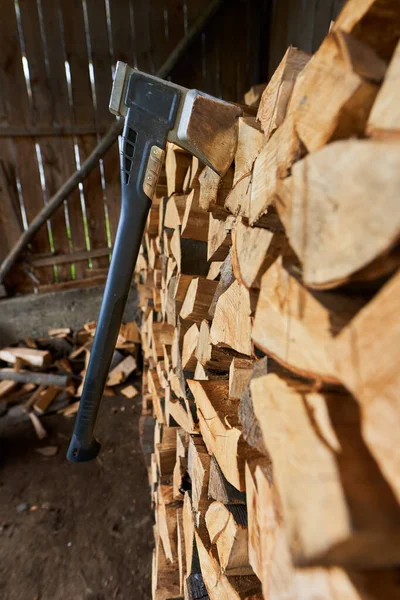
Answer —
(276, 474)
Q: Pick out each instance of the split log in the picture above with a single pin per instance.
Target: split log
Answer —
(219, 237)
(275, 99)
(367, 19)
(208, 355)
(253, 96)
(198, 299)
(250, 141)
(219, 586)
(226, 279)
(325, 517)
(36, 358)
(175, 210)
(199, 472)
(44, 399)
(177, 162)
(197, 168)
(240, 372)
(327, 193)
(273, 164)
(336, 91)
(214, 190)
(297, 327)
(220, 428)
(232, 322)
(195, 219)
(384, 119)
(190, 340)
(227, 528)
(253, 251)
(367, 359)
(122, 371)
(220, 489)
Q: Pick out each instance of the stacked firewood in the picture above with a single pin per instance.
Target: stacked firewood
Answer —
(271, 337)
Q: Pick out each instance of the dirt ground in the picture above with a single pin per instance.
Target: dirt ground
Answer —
(86, 532)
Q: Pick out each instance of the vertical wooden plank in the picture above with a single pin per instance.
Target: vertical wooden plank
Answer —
(229, 42)
(175, 24)
(10, 216)
(58, 154)
(13, 90)
(158, 25)
(77, 55)
(14, 110)
(279, 33)
(43, 107)
(121, 31)
(142, 36)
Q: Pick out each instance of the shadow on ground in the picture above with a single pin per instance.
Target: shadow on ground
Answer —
(83, 531)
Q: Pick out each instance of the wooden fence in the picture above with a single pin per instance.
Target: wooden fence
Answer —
(56, 64)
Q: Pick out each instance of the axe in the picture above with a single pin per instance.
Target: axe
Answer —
(155, 111)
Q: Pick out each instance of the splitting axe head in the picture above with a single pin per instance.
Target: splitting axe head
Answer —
(155, 111)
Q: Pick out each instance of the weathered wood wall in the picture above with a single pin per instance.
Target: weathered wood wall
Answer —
(56, 63)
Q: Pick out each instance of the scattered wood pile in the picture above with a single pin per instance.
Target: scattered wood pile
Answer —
(271, 337)
(45, 375)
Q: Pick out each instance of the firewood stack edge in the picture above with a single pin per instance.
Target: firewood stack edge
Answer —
(271, 337)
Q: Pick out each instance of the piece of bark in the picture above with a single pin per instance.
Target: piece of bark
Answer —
(195, 588)
(198, 299)
(219, 487)
(329, 191)
(367, 19)
(325, 517)
(195, 219)
(275, 99)
(232, 323)
(297, 327)
(253, 251)
(122, 371)
(342, 77)
(250, 141)
(384, 118)
(227, 528)
(367, 355)
(271, 166)
(36, 358)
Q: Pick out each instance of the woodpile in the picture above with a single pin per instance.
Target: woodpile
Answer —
(45, 375)
(270, 340)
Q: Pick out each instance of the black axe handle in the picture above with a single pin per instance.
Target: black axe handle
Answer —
(151, 114)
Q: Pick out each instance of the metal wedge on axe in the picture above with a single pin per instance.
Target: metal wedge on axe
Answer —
(155, 111)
